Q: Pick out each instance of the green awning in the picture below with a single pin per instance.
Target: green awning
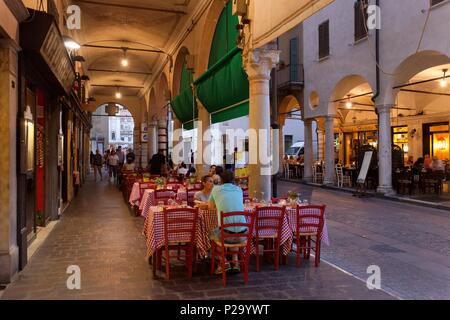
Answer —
(183, 105)
(224, 88)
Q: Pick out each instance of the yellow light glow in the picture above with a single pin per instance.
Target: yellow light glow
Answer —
(443, 83)
(349, 105)
(125, 62)
(118, 95)
(441, 144)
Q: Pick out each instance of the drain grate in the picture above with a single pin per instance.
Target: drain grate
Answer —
(384, 248)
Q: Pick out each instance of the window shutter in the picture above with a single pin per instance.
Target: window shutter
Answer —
(361, 17)
(293, 63)
(324, 40)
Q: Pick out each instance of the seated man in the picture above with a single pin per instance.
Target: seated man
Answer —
(228, 198)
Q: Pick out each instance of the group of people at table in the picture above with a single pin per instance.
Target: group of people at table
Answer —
(221, 195)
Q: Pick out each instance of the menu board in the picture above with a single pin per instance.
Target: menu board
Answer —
(365, 167)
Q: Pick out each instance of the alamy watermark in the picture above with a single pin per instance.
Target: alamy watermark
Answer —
(374, 280)
(74, 280)
(73, 21)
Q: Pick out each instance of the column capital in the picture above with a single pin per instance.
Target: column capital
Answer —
(258, 63)
(385, 108)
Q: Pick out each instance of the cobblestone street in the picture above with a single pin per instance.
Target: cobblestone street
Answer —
(99, 234)
(411, 244)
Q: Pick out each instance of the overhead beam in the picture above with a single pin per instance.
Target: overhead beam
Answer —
(426, 92)
(353, 97)
(121, 48)
(420, 82)
(116, 86)
(120, 71)
(127, 6)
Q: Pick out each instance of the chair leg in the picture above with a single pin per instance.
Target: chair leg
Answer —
(167, 264)
(317, 260)
(246, 268)
(213, 257)
(190, 260)
(224, 273)
(298, 252)
(257, 254)
(277, 254)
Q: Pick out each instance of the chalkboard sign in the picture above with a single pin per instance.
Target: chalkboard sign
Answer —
(365, 167)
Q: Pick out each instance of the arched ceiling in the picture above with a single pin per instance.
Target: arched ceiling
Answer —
(134, 24)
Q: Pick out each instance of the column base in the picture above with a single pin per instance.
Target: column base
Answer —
(308, 179)
(386, 190)
(328, 182)
(9, 265)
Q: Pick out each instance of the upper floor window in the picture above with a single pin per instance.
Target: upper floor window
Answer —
(435, 2)
(324, 39)
(361, 18)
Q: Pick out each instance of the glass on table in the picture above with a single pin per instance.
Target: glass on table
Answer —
(184, 204)
(161, 204)
(247, 203)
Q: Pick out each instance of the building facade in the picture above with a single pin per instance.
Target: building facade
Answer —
(382, 87)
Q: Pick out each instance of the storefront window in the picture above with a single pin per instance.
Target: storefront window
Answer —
(439, 141)
(400, 138)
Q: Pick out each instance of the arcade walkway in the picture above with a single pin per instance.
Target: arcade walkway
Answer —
(99, 234)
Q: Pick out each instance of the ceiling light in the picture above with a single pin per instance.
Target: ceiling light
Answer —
(70, 43)
(125, 59)
(349, 103)
(118, 94)
(443, 81)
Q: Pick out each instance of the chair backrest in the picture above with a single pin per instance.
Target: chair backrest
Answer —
(269, 221)
(250, 225)
(339, 170)
(180, 225)
(164, 195)
(190, 194)
(173, 185)
(245, 193)
(310, 219)
(145, 186)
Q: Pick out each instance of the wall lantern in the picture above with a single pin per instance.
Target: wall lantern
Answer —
(441, 144)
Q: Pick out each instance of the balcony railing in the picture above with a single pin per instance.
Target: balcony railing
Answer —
(290, 77)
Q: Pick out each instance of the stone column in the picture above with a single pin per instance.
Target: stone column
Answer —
(329, 151)
(9, 251)
(258, 65)
(309, 151)
(203, 154)
(152, 138)
(385, 149)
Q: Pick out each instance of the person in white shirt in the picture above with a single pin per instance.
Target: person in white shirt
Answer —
(113, 161)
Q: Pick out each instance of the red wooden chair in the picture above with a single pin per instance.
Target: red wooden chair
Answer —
(310, 221)
(180, 225)
(268, 226)
(164, 195)
(220, 248)
(190, 193)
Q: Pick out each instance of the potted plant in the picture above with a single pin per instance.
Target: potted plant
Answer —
(293, 197)
(160, 182)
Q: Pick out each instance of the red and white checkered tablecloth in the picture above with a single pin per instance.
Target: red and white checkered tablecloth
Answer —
(154, 231)
(135, 195)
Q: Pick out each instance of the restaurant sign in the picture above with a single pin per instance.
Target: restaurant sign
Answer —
(45, 51)
(55, 54)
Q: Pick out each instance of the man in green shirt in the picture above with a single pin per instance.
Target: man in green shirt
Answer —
(228, 198)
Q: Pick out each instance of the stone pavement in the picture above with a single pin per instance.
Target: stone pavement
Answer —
(99, 234)
(411, 244)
